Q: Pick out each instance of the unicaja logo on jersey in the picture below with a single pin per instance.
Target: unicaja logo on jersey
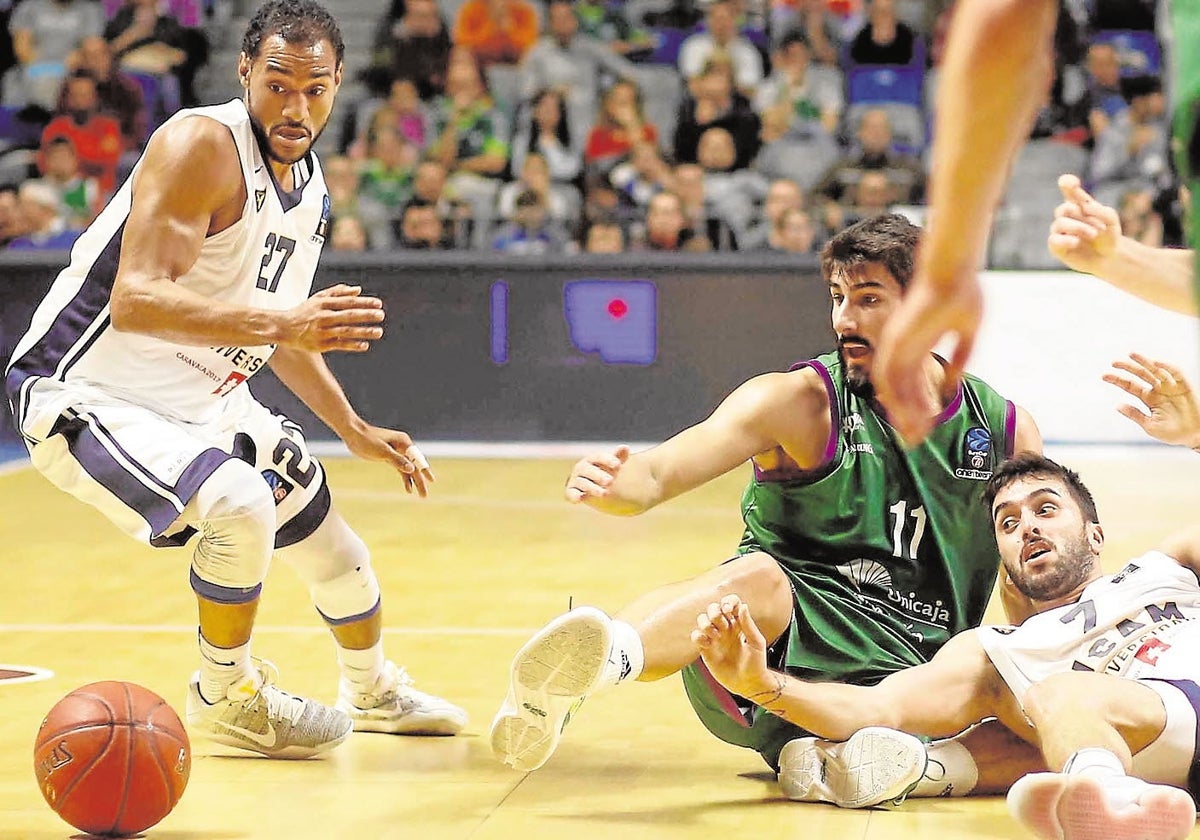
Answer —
(977, 450)
(866, 573)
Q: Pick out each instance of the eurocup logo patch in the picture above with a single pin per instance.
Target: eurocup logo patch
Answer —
(323, 225)
(977, 450)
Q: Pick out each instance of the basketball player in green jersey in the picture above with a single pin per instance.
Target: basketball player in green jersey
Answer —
(860, 558)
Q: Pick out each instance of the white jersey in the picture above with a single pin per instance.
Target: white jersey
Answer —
(266, 260)
(1125, 625)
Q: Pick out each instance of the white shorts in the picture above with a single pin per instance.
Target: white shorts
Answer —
(140, 468)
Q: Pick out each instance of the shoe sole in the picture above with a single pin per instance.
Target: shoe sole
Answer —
(1059, 807)
(874, 766)
(550, 676)
(292, 752)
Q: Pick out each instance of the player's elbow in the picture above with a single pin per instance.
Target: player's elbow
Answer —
(127, 308)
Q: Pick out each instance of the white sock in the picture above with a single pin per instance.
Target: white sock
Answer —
(627, 656)
(951, 771)
(362, 668)
(221, 668)
(1103, 765)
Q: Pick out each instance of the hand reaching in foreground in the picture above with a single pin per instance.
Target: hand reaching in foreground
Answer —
(734, 650)
(1164, 392)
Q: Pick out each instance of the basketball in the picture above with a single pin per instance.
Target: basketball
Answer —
(112, 758)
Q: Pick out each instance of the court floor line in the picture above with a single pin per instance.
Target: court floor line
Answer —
(266, 628)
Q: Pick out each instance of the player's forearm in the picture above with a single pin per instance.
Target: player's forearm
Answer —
(828, 710)
(635, 490)
(994, 77)
(1162, 276)
(164, 309)
(307, 376)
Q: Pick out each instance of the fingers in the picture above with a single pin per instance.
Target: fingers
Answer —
(591, 476)
(1072, 189)
(1135, 415)
(1169, 376)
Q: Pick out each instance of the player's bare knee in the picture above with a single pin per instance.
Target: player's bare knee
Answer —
(759, 581)
(1073, 692)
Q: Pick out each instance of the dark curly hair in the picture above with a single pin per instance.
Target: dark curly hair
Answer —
(889, 239)
(1031, 464)
(297, 22)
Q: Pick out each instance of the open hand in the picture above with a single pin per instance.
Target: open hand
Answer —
(733, 648)
(1173, 413)
(337, 318)
(592, 474)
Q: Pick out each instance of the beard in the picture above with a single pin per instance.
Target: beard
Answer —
(857, 379)
(264, 139)
(1075, 562)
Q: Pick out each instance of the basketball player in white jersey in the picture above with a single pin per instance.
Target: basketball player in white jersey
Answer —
(130, 389)
(1104, 677)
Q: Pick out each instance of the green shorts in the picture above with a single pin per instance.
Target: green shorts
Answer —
(1184, 85)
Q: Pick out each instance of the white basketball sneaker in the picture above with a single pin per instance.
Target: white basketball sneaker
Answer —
(1057, 806)
(874, 766)
(395, 707)
(256, 715)
(551, 676)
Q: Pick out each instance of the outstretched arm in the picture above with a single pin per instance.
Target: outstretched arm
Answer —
(994, 77)
(1086, 236)
(941, 698)
(1169, 409)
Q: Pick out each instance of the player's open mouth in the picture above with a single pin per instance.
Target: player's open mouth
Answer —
(1034, 551)
(292, 135)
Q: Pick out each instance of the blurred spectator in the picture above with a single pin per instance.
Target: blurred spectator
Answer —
(415, 46)
(348, 234)
(1104, 84)
(1064, 121)
(571, 64)
(782, 194)
(1132, 152)
(385, 177)
(95, 136)
(48, 229)
(874, 152)
(120, 95)
(531, 230)
(884, 38)
(811, 94)
(792, 233)
(496, 31)
(666, 228)
(429, 187)
(79, 196)
(620, 123)
(144, 39)
(721, 40)
(472, 140)
(812, 19)
(543, 128)
(872, 196)
(535, 177)
(421, 228)
(605, 21)
(341, 180)
(714, 103)
(604, 237)
(45, 33)
(641, 177)
(730, 194)
(1139, 219)
(688, 186)
(12, 219)
(402, 111)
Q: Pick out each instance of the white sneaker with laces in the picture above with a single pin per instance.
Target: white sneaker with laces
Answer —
(551, 676)
(395, 707)
(873, 767)
(256, 715)
(1057, 806)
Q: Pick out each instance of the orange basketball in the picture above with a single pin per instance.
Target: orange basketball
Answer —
(112, 758)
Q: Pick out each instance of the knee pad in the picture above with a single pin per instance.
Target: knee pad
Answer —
(336, 565)
(234, 512)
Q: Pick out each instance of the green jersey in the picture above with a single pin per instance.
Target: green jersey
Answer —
(1184, 84)
(890, 551)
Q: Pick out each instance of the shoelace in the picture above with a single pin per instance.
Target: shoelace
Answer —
(280, 704)
(929, 762)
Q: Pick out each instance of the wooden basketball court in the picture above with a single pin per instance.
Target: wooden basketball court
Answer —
(467, 575)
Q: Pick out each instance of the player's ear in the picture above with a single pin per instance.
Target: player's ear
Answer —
(1095, 537)
(337, 76)
(244, 70)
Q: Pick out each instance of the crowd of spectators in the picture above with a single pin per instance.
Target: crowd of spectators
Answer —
(559, 126)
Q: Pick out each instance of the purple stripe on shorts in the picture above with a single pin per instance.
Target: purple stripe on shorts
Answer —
(1010, 428)
(43, 358)
(223, 594)
(722, 695)
(1192, 692)
(350, 619)
(304, 523)
(110, 474)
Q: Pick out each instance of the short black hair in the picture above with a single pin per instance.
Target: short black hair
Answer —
(889, 239)
(297, 22)
(1025, 464)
